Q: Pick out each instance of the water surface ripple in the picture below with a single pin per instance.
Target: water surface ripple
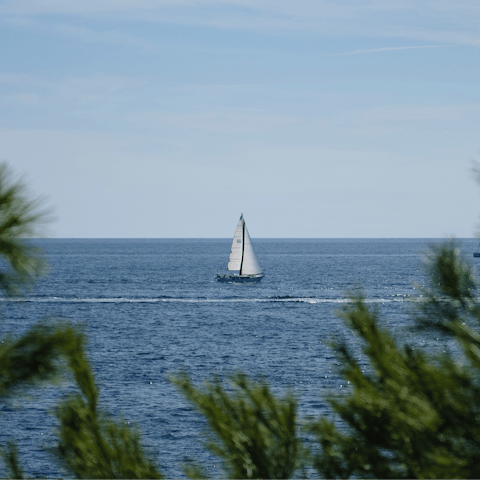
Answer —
(151, 308)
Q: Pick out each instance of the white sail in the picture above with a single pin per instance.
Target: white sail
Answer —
(243, 260)
(235, 259)
(250, 264)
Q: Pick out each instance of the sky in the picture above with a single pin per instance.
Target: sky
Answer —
(315, 119)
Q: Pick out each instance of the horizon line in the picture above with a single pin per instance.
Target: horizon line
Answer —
(257, 238)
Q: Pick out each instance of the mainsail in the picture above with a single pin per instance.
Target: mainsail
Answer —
(242, 255)
(235, 260)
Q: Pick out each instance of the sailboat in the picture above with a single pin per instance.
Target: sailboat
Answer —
(243, 264)
(477, 253)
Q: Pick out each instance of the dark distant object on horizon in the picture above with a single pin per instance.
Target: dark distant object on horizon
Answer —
(243, 263)
(477, 253)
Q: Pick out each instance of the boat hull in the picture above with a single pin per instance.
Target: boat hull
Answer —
(239, 278)
(476, 254)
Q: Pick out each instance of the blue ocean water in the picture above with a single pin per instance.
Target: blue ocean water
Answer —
(152, 308)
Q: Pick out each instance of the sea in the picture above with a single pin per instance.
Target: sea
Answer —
(151, 308)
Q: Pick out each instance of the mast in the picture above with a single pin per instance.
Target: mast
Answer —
(243, 243)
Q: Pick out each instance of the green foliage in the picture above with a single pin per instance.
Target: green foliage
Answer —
(252, 431)
(20, 218)
(92, 445)
(29, 360)
(410, 415)
(34, 357)
(11, 459)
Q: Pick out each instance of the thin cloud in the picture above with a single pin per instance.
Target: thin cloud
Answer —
(443, 21)
(386, 49)
(230, 122)
(87, 35)
(410, 113)
(100, 83)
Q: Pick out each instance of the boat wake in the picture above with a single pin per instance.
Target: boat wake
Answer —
(166, 299)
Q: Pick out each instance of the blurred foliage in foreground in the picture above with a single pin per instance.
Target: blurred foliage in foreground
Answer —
(411, 415)
(91, 445)
(253, 433)
(21, 217)
(408, 414)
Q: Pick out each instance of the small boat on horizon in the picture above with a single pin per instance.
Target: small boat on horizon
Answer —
(243, 265)
(477, 253)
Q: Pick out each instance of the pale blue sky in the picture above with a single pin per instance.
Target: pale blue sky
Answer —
(151, 118)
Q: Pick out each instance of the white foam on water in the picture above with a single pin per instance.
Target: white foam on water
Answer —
(311, 300)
